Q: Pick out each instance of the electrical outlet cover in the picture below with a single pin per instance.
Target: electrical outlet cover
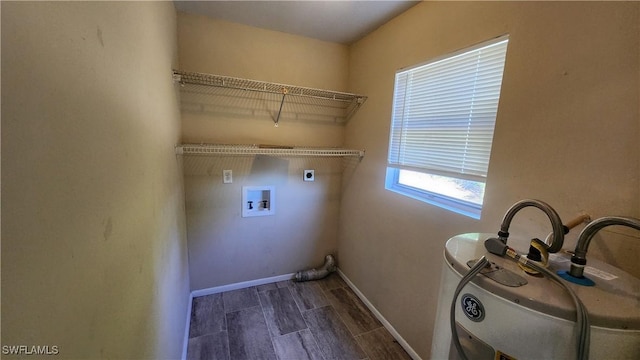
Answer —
(227, 176)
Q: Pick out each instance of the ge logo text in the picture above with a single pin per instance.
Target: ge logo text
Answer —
(472, 307)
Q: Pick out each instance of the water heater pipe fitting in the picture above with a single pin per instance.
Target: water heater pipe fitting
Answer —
(556, 223)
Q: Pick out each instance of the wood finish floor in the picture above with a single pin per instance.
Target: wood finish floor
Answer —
(316, 320)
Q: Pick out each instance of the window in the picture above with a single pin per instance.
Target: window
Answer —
(442, 124)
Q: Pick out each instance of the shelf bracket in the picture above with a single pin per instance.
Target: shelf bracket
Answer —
(284, 94)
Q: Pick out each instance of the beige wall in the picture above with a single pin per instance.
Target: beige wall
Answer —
(225, 248)
(567, 133)
(94, 254)
(225, 48)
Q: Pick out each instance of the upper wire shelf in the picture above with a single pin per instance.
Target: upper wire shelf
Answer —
(297, 102)
(224, 149)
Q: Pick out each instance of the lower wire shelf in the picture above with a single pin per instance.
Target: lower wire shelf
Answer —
(225, 149)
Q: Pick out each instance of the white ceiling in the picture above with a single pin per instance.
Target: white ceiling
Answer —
(340, 21)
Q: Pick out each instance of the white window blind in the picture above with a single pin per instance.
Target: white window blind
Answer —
(444, 113)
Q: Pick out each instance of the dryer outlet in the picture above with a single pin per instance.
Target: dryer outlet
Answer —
(309, 175)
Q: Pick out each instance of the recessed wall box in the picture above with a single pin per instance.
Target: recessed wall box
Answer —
(308, 175)
(258, 201)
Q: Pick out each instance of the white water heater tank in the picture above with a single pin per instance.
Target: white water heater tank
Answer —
(534, 320)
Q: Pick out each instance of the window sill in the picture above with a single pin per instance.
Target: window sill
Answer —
(438, 200)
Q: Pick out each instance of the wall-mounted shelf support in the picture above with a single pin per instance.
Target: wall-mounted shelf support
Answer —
(284, 93)
(222, 149)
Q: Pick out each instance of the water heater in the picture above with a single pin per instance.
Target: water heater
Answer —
(504, 313)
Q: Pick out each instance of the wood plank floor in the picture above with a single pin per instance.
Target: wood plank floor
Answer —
(316, 320)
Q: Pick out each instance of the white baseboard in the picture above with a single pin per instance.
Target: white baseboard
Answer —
(246, 284)
(381, 318)
(241, 285)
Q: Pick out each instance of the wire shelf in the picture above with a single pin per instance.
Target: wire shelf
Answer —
(225, 149)
(339, 106)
